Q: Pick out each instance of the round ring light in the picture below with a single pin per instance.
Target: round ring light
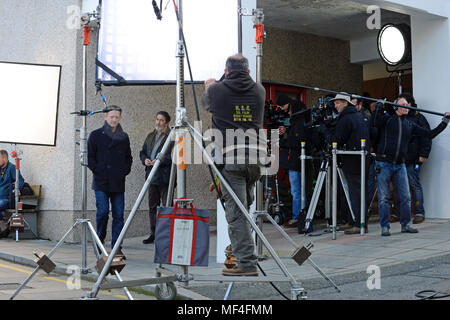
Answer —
(394, 44)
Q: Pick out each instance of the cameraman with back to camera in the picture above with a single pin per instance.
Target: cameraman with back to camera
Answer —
(237, 103)
(351, 127)
(290, 152)
(395, 133)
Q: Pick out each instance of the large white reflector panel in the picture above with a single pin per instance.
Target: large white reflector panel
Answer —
(29, 103)
(138, 47)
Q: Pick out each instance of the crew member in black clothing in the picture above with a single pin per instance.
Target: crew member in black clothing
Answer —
(395, 133)
(290, 145)
(351, 128)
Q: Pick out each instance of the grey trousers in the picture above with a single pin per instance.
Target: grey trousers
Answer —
(242, 179)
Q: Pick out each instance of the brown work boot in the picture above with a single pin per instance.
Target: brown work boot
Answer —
(235, 271)
(345, 227)
(228, 250)
(418, 219)
(119, 253)
(395, 219)
(353, 230)
(230, 261)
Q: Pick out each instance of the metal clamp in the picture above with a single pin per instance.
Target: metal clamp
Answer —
(44, 262)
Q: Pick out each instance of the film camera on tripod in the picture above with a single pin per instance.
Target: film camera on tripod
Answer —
(277, 198)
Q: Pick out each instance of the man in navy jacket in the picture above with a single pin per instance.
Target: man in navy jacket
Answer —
(109, 159)
(7, 177)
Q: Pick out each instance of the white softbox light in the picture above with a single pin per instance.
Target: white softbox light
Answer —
(140, 48)
(29, 103)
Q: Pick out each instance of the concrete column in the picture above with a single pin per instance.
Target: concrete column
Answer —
(431, 69)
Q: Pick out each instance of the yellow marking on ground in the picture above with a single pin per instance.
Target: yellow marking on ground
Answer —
(58, 280)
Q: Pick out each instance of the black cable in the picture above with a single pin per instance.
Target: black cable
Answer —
(432, 295)
(271, 283)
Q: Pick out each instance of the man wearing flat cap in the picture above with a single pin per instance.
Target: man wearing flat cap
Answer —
(350, 129)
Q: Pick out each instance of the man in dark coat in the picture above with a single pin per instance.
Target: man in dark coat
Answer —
(158, 189)
(351, 128)
(395, 133)
(419, 149)
(109, 159)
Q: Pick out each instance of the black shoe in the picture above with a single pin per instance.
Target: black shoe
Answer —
(149, 240)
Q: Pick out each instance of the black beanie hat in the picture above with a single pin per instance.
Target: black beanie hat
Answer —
(283, 99)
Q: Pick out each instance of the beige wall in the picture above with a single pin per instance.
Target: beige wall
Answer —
(310, 60)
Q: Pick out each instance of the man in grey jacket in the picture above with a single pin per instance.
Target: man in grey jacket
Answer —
(158, 189)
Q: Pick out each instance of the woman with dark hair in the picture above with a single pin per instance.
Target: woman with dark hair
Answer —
(290, 151)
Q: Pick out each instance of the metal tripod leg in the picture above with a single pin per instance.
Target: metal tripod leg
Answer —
(287, 237)
(316, 195)
(50, 254)
(373, 198)
(227, 294)
(328, 198)
(295, 286)
(170, 189)
(164, 149)
(98, 244)
(346, 192)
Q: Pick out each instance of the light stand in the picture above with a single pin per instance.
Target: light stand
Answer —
(86, 22)
(258, 19)
(17, 221)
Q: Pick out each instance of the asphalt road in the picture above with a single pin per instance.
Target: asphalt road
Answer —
(51, 287)
(398, 282)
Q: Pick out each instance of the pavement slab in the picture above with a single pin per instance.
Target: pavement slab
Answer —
(347, 256)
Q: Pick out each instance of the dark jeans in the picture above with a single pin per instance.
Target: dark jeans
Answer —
(117, 205)
(401, 187)
(295, 179)
(156, 195)
(416, 190)
(242, 179)
(4, 202)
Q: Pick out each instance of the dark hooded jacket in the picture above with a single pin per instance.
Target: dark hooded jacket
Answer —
(235, 103)
(109, 158)
(162, 175)
(418, 146)
(351, 127)
(395, 133)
